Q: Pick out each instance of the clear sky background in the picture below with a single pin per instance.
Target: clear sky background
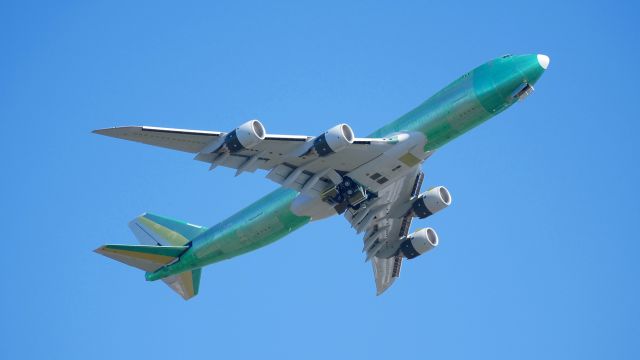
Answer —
(539, 252)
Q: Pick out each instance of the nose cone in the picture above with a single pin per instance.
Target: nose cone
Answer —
(543, 60)
(496, 81)
(518, 69)
(531, 67)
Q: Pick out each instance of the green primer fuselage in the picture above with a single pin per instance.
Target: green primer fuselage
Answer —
(465, 103)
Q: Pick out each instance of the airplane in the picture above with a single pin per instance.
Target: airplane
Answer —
(374, 182)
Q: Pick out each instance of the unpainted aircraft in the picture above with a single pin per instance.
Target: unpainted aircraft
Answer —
(374, 182)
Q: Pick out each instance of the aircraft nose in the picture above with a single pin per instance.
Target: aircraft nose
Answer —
(543, 60)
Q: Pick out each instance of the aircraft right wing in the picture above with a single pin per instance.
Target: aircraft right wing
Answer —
(384, 228)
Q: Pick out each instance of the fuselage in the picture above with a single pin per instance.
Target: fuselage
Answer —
(465, 103)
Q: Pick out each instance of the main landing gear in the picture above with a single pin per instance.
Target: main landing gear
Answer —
(347, 194)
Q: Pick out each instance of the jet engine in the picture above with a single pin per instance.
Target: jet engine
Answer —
(419, 242)
(335, 139)
(430, 202)
(246, 136)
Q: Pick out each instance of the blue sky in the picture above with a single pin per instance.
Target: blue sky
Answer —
(538, 255)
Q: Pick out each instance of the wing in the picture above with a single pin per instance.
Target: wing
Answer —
(177, 139)
(383, 231)
(284, 156)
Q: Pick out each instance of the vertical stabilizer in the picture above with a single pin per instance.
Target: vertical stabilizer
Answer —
(151, 229)
(186, 284)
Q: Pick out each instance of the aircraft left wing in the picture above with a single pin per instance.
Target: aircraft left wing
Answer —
(304, 163)
(384, 228)
(177, 139)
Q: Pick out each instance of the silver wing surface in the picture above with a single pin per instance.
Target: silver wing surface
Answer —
(282, 155)
(384, 231)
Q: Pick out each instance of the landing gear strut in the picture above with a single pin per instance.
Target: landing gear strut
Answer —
(347, 194)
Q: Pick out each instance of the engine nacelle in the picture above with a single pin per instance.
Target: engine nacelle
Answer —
(419, 242)
(246, 136)
(334, 140)
(430, 202)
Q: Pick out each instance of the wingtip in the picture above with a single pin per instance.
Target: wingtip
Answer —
(100, 250)
(111, 131)
(105, 131)
(381, 287)
(380, 291)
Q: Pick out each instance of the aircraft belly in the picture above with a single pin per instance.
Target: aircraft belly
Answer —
(260, 224)
(313, 207)
(392, 165)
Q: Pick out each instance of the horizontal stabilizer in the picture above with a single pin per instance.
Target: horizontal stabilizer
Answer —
(145, 257)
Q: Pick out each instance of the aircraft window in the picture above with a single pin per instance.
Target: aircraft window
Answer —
(506, 56)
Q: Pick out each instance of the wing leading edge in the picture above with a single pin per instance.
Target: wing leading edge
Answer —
(279, 154)
(176, 139)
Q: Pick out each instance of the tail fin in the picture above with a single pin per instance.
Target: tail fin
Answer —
(153, 229)
(164, 240)
(186, 284)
